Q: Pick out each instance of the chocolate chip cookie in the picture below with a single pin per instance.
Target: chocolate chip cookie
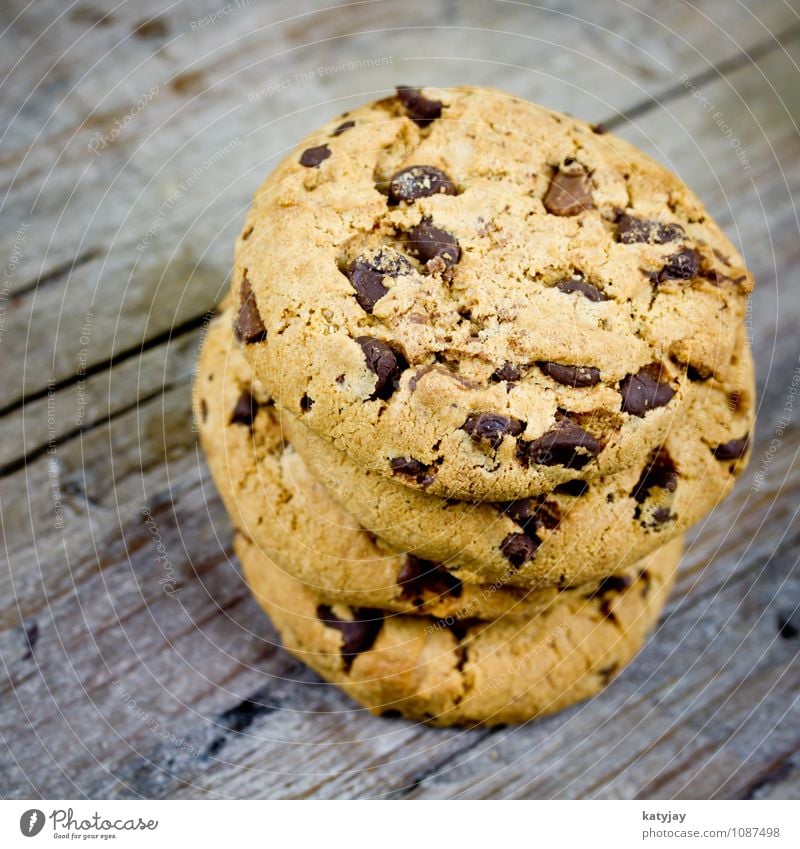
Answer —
(273, 498)
(446, 672)
(480, 298)
(580, 530)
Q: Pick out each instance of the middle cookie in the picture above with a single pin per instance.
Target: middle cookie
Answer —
(580, 531)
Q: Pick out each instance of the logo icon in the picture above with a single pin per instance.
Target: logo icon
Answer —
(31, 822)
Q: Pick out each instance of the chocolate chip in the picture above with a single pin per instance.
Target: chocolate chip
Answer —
(733, 450)
(431, 245)
(611, 584)
(571, 375)
(565, 445)
(343, 128)
(574, 488)
(631, 230)
(203, 409)
(532, 514)
(662, 515)
(683, 265)
(518, 549)
(789, 624)
(578, 284)
(420, 576)
(245, 410)
(419, 108)
(491, 427)
(248, 327)
(306, 403)
(412, 468)
(419, 181)
(660, 472)
(507, 372)
(312, 157)
(384, 362)
(366, 274)
(599, 129)
(607, 673)
(642, 392)
(358, 634)
(697, 375)
(568, 194)
(392, 713)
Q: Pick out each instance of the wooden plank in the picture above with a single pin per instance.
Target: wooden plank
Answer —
(139, 234)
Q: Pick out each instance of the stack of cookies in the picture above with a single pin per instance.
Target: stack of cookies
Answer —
(480, 367)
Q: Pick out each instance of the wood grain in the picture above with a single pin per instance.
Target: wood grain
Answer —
(112, 686)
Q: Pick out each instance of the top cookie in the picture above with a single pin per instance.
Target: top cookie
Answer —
(482, 298)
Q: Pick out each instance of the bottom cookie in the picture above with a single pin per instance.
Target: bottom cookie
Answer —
(469, 672)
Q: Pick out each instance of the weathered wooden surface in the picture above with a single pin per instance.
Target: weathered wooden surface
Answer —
(112, 687)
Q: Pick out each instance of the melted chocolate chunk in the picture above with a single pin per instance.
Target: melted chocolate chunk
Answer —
(631, 230)
(607, 673)
(574, 488)
(312, 157)
(532, 514)
(662, 515)
(419, 181)
(577, 284)
(571, 375)
(659, 472)
(306, 403)
(244, 412)
(697, 375)
(248, 327)
(420, 576)
(507, 372)
(611, 584)
(435, 248)
(366, 275)
(344, 127)
(683, 265)
(419, 108)
(491, 427)
(565, 445)
(568, 194)
(384, 362)
(358, 634)
(518, 549)
(733, 450)
(412, 468)
(642, 392)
